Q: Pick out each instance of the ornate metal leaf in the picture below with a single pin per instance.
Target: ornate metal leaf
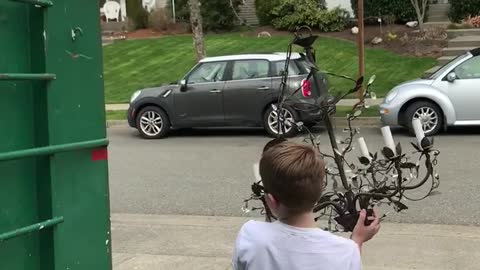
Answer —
(388, 153)
(400, 206)
(426, 143)
(364, 160)
(408, 165)
(399, 149)
(415, 146)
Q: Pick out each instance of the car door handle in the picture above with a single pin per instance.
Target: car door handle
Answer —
(215, 91)
(263, 88)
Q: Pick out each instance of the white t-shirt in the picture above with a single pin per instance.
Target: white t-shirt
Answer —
(278, 246)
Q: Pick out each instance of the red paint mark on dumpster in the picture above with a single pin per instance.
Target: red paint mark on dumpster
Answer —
(100, 154)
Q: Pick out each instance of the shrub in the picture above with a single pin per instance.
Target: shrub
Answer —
(473, 21)
(401, 10)
(160, 19)
(294, 13)
(137, 14)
(216, 14)
(461, 9)
(264, 10)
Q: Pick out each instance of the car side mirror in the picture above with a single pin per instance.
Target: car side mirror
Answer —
(183, 85)
(451, 77)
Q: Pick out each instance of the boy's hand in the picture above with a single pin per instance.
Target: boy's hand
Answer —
(362, 233)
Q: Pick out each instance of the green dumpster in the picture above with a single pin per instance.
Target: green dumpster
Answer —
(54, 201)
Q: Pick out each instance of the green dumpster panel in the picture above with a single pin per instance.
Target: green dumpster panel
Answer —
(54, 197)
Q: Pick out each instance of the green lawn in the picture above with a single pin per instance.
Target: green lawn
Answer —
(342, 111)
(116, 115)
(135, 64)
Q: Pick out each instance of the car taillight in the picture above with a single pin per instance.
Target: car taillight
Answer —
(306, 88)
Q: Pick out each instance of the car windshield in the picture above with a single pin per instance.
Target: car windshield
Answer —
(449, 65)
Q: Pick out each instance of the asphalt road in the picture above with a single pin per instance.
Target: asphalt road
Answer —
(209, 172)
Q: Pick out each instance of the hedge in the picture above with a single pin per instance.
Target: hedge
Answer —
(461, 9)
(217, 15)
(401, 10)
(264, 10)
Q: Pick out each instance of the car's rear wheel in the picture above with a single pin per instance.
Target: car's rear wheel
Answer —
(429, 114)
(153, 123)
(271, 121)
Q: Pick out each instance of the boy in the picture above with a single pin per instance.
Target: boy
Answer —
(292, 176)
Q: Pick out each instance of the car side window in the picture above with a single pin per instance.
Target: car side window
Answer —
(469, 69)
(280, 67)
(208, 72)
(250, 69)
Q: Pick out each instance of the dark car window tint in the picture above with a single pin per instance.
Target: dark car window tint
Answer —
(302, 62)
(469, 69)
(250, 69)
(208, 72)
(280, 67)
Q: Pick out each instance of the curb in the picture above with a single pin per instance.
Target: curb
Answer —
(111, 123)
(342, 103)
(359, 122)
(338, 122)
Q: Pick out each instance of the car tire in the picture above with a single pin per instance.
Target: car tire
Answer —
(269, 122)
(153, 123)
(430, 114)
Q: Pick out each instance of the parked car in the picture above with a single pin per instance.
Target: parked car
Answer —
(448, 97)
(235, 90)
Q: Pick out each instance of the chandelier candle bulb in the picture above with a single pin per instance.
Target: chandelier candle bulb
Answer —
(388, 138)
(364, 148)
(256, 172)
(419, 133)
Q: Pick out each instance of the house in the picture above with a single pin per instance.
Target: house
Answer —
(148, 4)
(345, 4)
(247, 10)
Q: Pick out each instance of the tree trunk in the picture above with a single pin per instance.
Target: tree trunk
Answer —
(420, 7)
(197, 28)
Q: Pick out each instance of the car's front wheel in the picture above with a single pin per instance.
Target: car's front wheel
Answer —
(271, 121)
(153, 123)
(429, 114)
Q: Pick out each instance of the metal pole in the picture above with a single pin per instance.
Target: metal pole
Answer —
(361, 47)
(173, 12)
(329, 125)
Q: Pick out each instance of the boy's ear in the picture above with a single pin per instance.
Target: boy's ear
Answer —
(272, 202)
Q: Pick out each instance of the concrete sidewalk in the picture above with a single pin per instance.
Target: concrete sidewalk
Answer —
(344, 102)
(145, 242)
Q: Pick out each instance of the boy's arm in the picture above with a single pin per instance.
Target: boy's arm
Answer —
(362, 233)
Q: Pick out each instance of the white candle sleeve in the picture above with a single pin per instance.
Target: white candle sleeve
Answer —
(388, 138)
(256, 172)
(364, 148)
(419, 133)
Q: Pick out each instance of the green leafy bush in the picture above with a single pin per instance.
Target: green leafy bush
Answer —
(401, 10)
(461, 9)
(264, 9)
(160, 19)
(137, 14)
(294, 13)
(217, 15)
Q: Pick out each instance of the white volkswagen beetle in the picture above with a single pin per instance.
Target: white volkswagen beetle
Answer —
(448, 97)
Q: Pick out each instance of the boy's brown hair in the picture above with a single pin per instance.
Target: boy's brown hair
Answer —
(293, 173)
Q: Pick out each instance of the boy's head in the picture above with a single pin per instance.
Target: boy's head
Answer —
(292, 176)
